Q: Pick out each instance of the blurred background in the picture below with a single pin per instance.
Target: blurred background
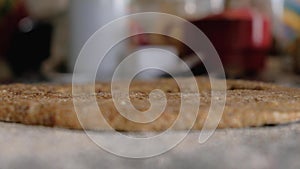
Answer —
(257, 40)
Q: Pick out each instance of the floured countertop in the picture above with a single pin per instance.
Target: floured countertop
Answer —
(29, 147)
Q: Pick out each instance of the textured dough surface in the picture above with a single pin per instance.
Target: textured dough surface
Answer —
(248, 104)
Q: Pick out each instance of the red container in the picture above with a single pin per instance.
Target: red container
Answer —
(241, 37)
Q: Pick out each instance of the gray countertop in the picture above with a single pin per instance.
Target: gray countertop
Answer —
(30, 147)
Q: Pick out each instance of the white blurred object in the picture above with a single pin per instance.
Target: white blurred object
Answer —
(217, 6)
(86, 17)
(278, 10)
(44, 9)
(146, 56)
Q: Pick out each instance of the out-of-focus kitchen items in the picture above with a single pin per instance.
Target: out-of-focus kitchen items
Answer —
(40, 40)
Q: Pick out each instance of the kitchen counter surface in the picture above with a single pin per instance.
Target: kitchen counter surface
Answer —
(30, 147)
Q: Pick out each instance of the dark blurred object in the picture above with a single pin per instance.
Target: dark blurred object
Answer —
(296, 56)
(242, 38)
(29, 48)
(11, 12)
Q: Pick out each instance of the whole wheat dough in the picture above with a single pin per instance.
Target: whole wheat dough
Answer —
(249, 104)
